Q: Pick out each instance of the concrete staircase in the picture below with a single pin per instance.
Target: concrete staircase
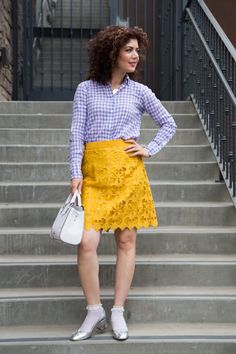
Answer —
(183, 295)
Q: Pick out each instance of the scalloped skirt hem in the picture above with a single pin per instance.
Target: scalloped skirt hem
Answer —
(116, 192)
(121, 227)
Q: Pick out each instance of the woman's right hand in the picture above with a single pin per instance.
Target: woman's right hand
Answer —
(76, 183)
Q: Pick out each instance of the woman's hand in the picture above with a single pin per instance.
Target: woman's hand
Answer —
(76, 183)
(136, 148)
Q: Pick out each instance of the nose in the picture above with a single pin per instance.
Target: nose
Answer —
(135, 54)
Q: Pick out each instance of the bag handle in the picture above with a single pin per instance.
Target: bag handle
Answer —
(73, 197)
(76, 197)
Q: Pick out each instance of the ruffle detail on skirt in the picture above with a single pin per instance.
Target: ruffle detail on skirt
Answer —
(116, 191)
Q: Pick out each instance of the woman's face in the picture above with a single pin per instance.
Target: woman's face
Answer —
(128, 57)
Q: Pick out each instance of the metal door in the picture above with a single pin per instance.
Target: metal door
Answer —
(56, 34)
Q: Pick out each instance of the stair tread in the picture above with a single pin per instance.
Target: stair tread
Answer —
(146, 162)
(160, 229)
(68, 115)
(136, 330)
(110, 259)
(191, 204)
(152, 182)
(148, 291)
(68, 129)
(187, 146)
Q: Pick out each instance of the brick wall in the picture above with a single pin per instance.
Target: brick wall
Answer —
(6, 71)
(6, 41)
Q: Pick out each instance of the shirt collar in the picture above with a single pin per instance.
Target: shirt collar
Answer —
(125, 82)
(126, 79)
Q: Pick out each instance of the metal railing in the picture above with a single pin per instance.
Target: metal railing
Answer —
(209, 78)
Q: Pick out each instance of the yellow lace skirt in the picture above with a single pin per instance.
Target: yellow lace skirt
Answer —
(116, 191)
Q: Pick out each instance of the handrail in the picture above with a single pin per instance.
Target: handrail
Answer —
(212, 58)
(185, 9)
(218, 29)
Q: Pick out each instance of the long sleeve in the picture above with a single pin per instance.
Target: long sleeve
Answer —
(162, 117)
(77, 132)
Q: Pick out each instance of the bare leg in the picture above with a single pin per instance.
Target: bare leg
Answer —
(125, 263)
(88, 266)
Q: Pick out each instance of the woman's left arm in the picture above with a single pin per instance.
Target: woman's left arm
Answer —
(162, 117)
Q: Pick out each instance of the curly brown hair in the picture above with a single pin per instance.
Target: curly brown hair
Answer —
(104, 50)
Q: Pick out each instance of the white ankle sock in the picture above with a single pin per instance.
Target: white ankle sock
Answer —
(94, 314)
(117, 319)
(94, 307)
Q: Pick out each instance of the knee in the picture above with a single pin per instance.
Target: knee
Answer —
(87, 247)
(126, 241)
(89, 242)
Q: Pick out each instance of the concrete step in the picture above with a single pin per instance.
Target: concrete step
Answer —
(182, 214)
(180, 240)
(154, 338)
(61, 136)
(56, 192)
(46, 309)
(65, 107)
(59, 153)
(165, 292)
(63, 121)
(151, 270)
(58, 172)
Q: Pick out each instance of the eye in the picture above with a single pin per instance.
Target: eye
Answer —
(129, 50)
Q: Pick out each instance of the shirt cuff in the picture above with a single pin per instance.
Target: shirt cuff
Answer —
(75, 173)
(145, 148)
(73, 177)
(154, 148)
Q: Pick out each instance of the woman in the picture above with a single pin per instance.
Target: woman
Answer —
(106, 165)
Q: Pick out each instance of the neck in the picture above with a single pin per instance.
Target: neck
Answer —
(117, 79)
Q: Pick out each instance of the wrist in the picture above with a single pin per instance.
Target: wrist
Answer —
(76, 177)
(147, 151)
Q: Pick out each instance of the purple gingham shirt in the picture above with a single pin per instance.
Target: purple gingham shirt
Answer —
(98, 114)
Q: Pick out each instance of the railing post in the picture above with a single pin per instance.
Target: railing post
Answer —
(27, 52)
(15, 49)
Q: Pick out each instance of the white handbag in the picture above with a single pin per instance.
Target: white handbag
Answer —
(69, 223)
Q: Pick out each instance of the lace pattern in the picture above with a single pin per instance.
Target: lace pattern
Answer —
(116, 191)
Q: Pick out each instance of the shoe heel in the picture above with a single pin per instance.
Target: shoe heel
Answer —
(102, 325)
